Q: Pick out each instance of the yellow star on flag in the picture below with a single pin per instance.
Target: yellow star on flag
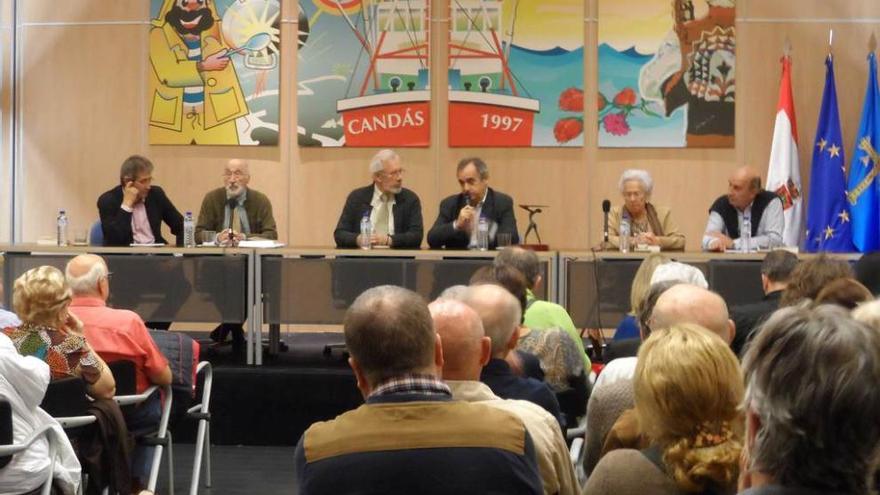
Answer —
(821, 144)
(829, 232)
(834, 150)
(844, 217)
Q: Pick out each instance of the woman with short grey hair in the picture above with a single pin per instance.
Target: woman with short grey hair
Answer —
(649, 224)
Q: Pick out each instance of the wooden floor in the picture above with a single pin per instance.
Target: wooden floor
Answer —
(236, 470)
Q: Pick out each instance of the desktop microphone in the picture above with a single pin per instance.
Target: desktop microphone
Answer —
(606, 207)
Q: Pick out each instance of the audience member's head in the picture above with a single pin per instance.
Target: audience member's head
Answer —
(867, 270)
(500, 313)
(647, 309)
(846, 292)
(776, 269)
(524, 260)
(685, 303)
(811, 406)
(869, 314)
(810, 276)
(389, 333)
(41, 296)
(466, 349)
(681, 272)
(505, 276)
(688, 387)
(483, 275)
(642, 281)
(87, 275)
(455, 292)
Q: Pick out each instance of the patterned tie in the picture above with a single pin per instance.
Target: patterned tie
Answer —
(382, 216)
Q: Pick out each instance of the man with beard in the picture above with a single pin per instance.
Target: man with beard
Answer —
(236, 212)
(395, 212)
(196, 93)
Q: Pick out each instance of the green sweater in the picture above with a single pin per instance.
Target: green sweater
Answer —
(541, 315)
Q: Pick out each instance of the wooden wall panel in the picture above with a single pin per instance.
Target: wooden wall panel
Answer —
(7, 30)
(83, 113)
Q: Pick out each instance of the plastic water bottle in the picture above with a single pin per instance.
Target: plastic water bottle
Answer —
(745, 238)
(61, 228)
(189, 230)
(483, 234)
(366, 231)
(624, 236)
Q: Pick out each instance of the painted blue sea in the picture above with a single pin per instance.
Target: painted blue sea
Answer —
(543, 76)
(619, 70)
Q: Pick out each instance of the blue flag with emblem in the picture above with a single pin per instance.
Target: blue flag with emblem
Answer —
(863, 188)
(828, 215)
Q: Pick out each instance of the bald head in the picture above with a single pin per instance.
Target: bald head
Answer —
(86, 275)
(500, 313)
(742, 187)
(465, 346)
(685, 303)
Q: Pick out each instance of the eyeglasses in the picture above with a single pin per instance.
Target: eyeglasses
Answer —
(396, 173)
(238, 174)
(108, 276)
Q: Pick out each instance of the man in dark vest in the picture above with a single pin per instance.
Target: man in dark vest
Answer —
(745, 200)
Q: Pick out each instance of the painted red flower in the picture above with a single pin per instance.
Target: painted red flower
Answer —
(601, 102)
(626, 98)
(567, 129)
(615, 123)
(572, 100)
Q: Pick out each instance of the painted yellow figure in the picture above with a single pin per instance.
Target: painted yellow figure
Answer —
(196, 95)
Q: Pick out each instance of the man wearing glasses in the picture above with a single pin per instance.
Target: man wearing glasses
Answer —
(235, 211)
(395, 213)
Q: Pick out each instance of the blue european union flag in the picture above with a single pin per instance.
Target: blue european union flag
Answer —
(863, 189)
(828, 215)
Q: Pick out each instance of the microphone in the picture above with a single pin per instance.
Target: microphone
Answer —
(606, 207)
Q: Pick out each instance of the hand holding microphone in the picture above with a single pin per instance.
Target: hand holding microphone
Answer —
(465, 220)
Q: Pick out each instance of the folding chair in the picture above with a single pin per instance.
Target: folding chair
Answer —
(201, 412)
(8, 449)
(124, 374)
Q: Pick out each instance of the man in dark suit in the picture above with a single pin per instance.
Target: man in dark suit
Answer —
(395, 212)
(775, 273)
(456, 225)
(133, 211)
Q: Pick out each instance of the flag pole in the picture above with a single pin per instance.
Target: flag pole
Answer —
(830, 42)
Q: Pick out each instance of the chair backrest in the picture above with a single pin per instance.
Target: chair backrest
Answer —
(125, 376)
(96, 234)
(5, 429)
(66, 397)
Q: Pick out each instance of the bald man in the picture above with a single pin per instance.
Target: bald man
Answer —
(745, 199)
(235, 211)
(466, 349)
(501, 315)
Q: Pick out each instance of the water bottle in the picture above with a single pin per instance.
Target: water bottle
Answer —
(745, 239)
(366, 231)
(189, 230)
(483, 234)
(61, 228)
(624, 236)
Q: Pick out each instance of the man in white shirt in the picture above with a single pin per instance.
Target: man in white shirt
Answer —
(745, 200)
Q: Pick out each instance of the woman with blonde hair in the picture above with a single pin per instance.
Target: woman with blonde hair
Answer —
(628, 328)
(688, 385)
(41, 298)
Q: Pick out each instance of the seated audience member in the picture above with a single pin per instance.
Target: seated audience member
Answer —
(681, 272)
(119, 335)
(606, 404)
(869, 314)
(41, 297)
(410, 436)
(7, 318)
(688, 387)
(459, 214)
(501, 315)
(628, 348)
(811, 413)
(745, 199)
(681, 304)
(539, 315)
(845, 292)
(811, 276)
(23, 382)
(395, 212)
(649, 224)
(465, 350)
(628, 328)
(776, 271)
(867, 270)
